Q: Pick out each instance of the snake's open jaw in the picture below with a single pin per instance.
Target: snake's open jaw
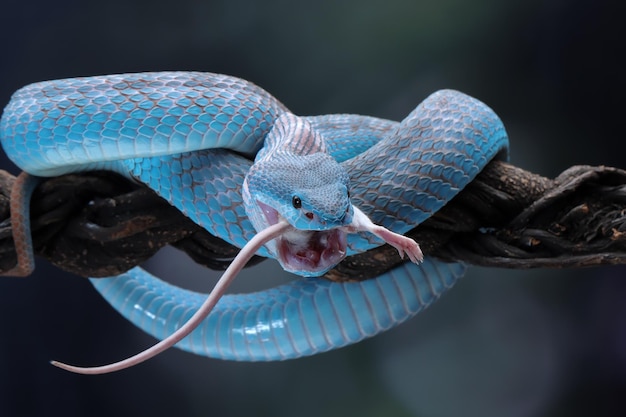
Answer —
(312, 252)
(307, 252)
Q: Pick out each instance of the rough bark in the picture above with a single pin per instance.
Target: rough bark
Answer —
(99, 224)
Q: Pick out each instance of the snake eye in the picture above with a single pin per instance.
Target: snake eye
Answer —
(297, 203)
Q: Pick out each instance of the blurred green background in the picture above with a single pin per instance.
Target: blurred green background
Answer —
(501, 343)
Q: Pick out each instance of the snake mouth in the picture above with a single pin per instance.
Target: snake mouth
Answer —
(307, 252)
(314, 252)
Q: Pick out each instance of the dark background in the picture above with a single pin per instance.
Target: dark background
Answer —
(501, 343)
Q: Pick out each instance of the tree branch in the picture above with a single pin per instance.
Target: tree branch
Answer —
(99, 224)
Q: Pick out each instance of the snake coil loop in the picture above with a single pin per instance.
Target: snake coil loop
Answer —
(183, 134)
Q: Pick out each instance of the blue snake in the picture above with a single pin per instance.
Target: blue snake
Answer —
(191, 137)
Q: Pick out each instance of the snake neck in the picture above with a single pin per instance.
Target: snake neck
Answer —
(291, 136)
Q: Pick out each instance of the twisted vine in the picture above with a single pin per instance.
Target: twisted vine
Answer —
(99, 224)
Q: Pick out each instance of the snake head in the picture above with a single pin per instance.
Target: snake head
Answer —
(311, 193)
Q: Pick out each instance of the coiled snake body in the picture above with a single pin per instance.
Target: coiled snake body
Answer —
(189, 136)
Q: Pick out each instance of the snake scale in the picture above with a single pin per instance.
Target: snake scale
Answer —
(191, 137)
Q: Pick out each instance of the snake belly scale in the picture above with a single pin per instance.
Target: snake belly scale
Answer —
(190, 137)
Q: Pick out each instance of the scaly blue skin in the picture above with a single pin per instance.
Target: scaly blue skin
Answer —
(163, 129)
